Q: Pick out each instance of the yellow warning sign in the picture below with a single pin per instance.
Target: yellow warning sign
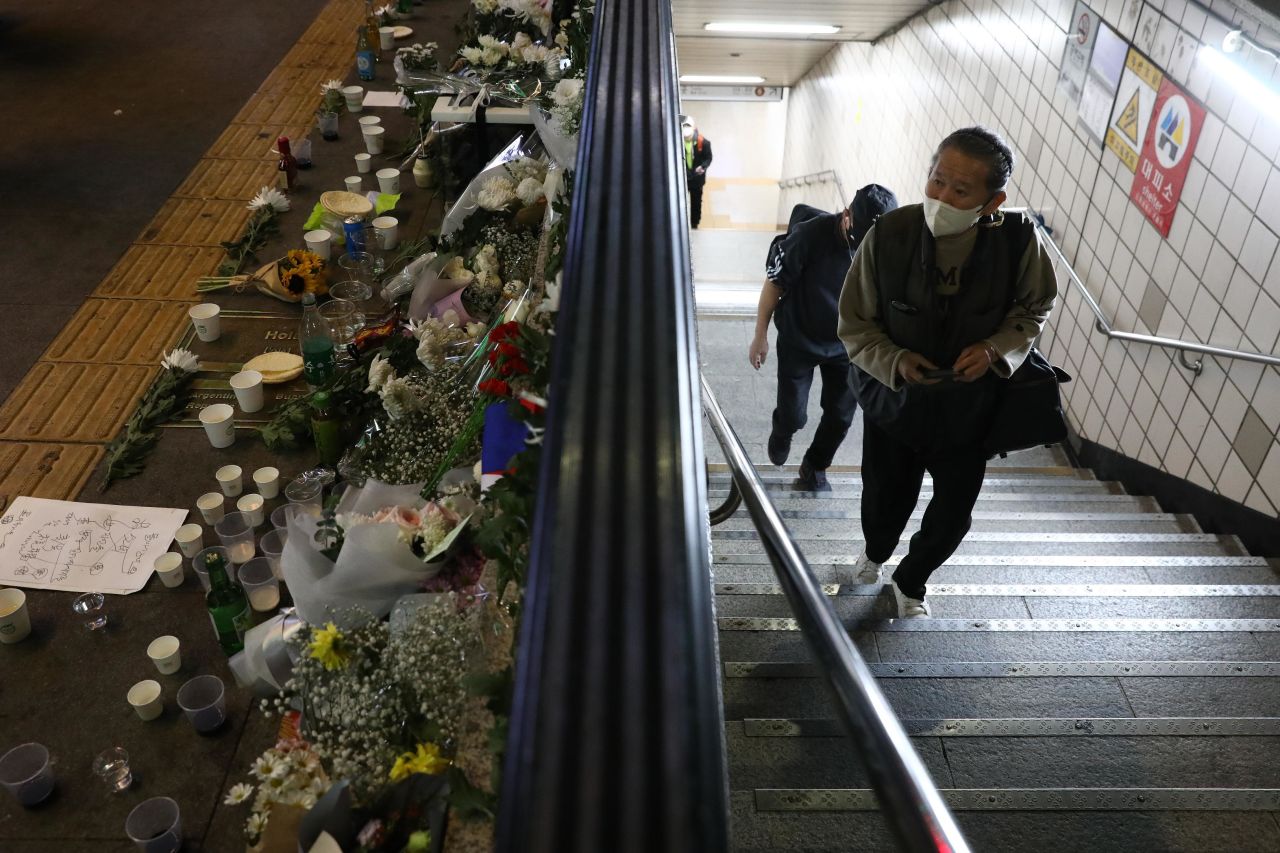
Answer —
(1128, 122)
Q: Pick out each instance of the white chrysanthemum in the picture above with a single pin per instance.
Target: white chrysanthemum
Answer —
(475, 331)
(238, 794)
(388, 11)
(257, 824)
(562, 40)
(269, 197)
(568, 92)
(471, 55)
(491, 56)
(182, 360)
(264, 766)
(380, 373)
(521, 41)
(399, 399)
(497, 193)
(526, 167)
(488, 42)
(485, 7)
(531, 191)
(332, 85)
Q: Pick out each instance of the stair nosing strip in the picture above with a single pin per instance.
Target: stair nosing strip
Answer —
(1088, 590)
(1032, 799)
(1110, 626)
(1019, 669)
(1031, 727)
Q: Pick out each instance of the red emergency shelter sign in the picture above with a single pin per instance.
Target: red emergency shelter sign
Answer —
(1171, 137)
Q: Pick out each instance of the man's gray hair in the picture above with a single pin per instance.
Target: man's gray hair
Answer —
(981, 144)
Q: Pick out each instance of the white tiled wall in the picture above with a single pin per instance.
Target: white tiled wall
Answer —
(875, 113)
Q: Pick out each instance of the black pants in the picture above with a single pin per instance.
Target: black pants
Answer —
(892, 473)
(795, 376)
(695, 201)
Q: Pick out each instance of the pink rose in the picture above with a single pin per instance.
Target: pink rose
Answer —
(404, 516)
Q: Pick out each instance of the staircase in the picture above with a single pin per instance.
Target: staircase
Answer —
(1099, 675)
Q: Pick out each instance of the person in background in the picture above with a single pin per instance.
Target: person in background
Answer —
(805, 270)
(697, 159)
(942, 299)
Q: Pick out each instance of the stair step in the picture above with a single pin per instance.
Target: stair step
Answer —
(852, 486)
(1049, 560)
(1010, 545)
(1039, 727)
(991, 501)
(1046, 590)
(1021, 669)
(820, 523)
(1082, 696)
(771, 623)
(1035, 799)
(968, 573)
(766, 468)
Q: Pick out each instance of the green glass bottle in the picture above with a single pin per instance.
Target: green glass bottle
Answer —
(326, 427)
(228, 606)
(319, 361)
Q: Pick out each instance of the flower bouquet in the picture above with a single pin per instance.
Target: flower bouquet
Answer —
(285, 278)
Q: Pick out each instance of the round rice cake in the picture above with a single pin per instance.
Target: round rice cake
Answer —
(276, 367)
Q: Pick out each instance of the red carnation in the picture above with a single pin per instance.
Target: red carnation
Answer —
(508, 349)
(496, 387)
(513, 366)
(506, 330)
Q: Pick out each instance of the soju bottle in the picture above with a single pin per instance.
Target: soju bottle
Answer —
(326, 429)
(318, 358)
(228, 607)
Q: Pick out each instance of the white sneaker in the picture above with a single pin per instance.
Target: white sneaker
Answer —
(862, 572)
(908, 607)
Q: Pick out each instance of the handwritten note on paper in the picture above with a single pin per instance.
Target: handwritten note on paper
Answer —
(79, 547)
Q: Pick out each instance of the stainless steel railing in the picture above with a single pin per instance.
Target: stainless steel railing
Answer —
(908, 797)
(825, 176)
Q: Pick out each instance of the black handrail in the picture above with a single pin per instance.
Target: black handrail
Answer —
(616, 740)
(908, 797)
(728, 506)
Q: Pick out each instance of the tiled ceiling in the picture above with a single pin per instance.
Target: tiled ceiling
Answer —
(781, 60)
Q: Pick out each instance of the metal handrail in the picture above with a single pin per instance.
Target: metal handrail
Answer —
(1103, 325)
(816, 177)
(914, 808)
(728, 506)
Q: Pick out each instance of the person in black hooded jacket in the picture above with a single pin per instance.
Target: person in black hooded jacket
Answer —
(805, 270)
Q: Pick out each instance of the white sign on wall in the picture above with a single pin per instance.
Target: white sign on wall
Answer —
(1135, 99)
(1075, 56)
(1100, 84)
(690, 92)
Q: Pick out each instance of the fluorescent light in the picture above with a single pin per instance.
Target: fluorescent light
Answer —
(1263, 97)
(720, 78)
(762, 28)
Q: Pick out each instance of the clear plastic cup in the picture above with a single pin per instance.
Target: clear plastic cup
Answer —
(280, 515)
(197, 563)
(235, 532)
(271, 546)
(204, 700)
(306, 493)
(260, 585)
(155, 825)
(112, 767)
(343, 319)
(26, 774)
(91, 606)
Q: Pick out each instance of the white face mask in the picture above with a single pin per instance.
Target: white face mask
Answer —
(687, 131)
(944, 220)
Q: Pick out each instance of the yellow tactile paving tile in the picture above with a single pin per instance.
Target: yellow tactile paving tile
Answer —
(235, 180)
(73, 402)
(120, 331)
(335, 25)
(160, 272)
(52, 471)
(254, 141)
(275, 108)
(195, 222)
(329, 57)
(288, 80)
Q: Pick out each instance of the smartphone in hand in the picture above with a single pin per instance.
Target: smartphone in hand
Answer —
(943, 373)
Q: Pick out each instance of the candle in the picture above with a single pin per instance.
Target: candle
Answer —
(264, 598)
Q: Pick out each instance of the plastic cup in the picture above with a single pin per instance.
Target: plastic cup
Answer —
(15, 621)
(373, 138)
(112, 767)
(369, 121)
(91, 607)
(235, 531)
(342, 319)
(211, 506)
(387, 37)
(271, 546)
(190, 537)
(206, 317)
(355, 98)
(260, 585)
(267, 482)
(306, 494)
(388, 182)
(248, 387)
(364, 163)
(231, 479)
(318, 242)
(204, 700)
(281, 515)
(25, 773)
(169, 567)
(166, 653)
(252, 506)
(146, 699)
(387, 229)
(354, 183)
(198, 564)
(155, 825)
(219, 424)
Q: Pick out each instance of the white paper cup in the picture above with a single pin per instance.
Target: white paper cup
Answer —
(355, 98)
(267, 482)
(318, 242)
(146, 700)
(252, 506)
(211, 506)
(15, 621)
(369, 121)
(230, 480)
(219, 424)
(389, 181)
(206, 317)
(248, 387)
(166, 653)
(387, 37)
(190, 538)
(387, 230)
(373, 139)
(353, 183)
(169, 568)
(364, 163)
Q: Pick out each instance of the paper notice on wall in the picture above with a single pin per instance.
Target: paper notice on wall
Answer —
(1166, 156)
(81, 547)
(1135, 98)
(1100, 83)
(1076, 53)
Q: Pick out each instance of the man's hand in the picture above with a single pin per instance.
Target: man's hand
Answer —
(700, 170)
(759, 351)
(974, 361)
(910, 365)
